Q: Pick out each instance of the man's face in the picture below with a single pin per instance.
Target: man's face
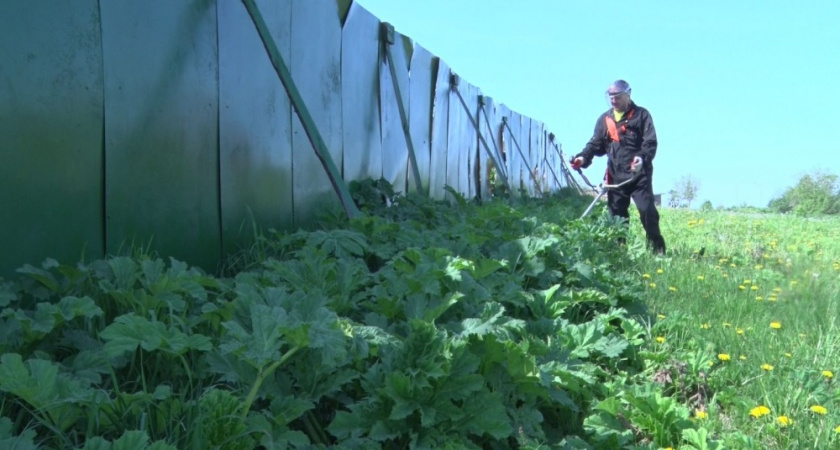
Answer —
(620, 101)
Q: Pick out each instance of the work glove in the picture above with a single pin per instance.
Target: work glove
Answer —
(576, 162)
(636, 165)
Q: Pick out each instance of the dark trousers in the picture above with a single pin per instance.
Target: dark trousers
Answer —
(641, 191)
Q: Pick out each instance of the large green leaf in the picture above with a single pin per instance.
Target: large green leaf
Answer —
(138, 440)
(339, 243)
(7, 294)
(24, 441)
(130, 331)
(38, 382)
(484, 413)
(72, 307)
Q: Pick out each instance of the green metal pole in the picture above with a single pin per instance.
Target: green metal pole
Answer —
(566, 172)
(388, 37)
(453, 83)
(545, 159)
(519, 149)
(315, 138)
(482, 103)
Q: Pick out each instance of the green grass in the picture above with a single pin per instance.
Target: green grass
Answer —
(738, 294)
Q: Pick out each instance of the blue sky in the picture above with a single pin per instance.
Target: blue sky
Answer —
(744, 94)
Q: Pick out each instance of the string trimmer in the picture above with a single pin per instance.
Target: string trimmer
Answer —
(602, 188)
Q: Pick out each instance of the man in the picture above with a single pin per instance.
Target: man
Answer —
(625, 133)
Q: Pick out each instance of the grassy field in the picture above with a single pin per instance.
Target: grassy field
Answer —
(745, 329)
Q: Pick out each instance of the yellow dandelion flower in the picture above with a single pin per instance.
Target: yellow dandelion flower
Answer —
(767, 367)
(725, 275)
(772, 298)
(747, 281)
(700, 278)
(660, 271)
(700, 415)
(727, 324)
(672, 289)
(724, 356)
(759, 411)
(739, 330)
(817, 409)
(705, 326)
(789, 355)
(775, 325)
(753, 288)
(653, 285)
(660, 339)
(828, 374)
(733, 265)
(646, 276)
(802, 335)
(759, 298)
(837, 430)
(759, 267)
(660, 316)
(741, 287)
(777, 290)
(742, 358)
(783, 421)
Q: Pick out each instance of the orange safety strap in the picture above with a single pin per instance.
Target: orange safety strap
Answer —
(612, 129)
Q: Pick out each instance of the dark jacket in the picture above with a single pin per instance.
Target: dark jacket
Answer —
(636, 136)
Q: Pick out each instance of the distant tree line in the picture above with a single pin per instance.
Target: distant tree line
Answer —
(815, 194)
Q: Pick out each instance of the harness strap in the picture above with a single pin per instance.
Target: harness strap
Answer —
(612, 128)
